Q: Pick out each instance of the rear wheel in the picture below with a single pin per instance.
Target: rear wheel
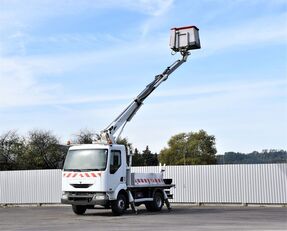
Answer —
(119, 205)
(156, 204)
(79, 209)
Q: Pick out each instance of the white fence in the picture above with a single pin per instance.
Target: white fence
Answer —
(258, 183)
(254, 183)
(34, 186)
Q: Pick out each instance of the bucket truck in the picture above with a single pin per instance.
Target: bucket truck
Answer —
(98, 173)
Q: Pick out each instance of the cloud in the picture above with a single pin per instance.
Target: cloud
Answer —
(27, 70)
(158, 7)
(21, 76)
(33, 8)
(158, 11)
(243, 116)
(18, 19)
(227, 87)
(19, 87)
(258, 32)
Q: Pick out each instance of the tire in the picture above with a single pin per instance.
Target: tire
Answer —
(79, 209)
(156, 204)
(119, 205)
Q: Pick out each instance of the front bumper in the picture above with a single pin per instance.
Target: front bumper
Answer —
(85, 198)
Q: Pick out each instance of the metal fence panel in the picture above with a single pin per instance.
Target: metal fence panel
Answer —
(254, 183)
(249, 183)
(34, 186)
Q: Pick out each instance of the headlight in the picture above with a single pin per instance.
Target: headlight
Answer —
(65, 196)
(99, 196)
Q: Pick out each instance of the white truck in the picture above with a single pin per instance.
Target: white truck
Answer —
(99, 173)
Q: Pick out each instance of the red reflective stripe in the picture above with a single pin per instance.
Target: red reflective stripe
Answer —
(75, 174)
(81, 175)
(87, 174)
(64, 174)
(99, 174)
(184, 27)
(93, 174)
(69, 174)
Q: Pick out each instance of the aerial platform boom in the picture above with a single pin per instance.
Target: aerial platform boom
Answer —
(182, 40)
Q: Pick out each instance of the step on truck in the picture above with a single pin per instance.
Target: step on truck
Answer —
(99, 174)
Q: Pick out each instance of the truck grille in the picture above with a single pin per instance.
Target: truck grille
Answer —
(81, 185)
(80, 196)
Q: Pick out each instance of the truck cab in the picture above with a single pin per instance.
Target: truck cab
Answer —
(94, 174)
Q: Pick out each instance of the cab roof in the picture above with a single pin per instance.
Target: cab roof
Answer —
(95, 146)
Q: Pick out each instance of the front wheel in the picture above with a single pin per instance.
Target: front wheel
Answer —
(119, 205)
(79, 209)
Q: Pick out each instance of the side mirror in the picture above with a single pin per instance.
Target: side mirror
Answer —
(130, 152)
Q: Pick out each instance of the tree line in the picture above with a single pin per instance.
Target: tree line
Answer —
(41, 149)
(38, 150)
(263, 157)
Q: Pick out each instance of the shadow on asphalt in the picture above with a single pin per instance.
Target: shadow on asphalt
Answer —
(142, 211)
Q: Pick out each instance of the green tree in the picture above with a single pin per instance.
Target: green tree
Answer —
(137, 159)
(189, 148)
(127, 144)
(11, 150)
(149, 158)
(85, 136)
(266, 156)
(43, 151)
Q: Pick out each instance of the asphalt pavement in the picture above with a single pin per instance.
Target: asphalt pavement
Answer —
(182, 217)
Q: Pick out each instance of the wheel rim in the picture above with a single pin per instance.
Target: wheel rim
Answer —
(158, 201)
(121, 203)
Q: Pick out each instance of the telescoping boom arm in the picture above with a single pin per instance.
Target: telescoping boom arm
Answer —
(133, 107)
(177, 44)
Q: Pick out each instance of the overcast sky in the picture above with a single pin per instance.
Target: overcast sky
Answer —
(69, 65)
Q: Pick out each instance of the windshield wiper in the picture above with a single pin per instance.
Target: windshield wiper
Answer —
(72, 169)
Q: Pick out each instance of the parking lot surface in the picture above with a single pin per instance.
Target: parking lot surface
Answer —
(182, 217)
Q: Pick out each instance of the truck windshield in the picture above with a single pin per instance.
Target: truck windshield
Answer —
(86, 160)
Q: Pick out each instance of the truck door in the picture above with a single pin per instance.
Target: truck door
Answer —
(116, 169)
